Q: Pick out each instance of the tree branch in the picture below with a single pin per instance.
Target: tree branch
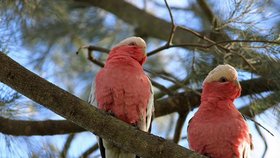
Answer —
(208, 12)
(173, 29)
(89, 151)
(66, 146)
(152, 24)
(171, 35)
(179, 126)
(87, 116)
(263, 138)
(30, 128)
(179, 102)
(245, 41)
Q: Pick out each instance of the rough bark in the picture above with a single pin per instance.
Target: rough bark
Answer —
(85, 115)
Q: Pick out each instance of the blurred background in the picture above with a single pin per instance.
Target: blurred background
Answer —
(43, 36)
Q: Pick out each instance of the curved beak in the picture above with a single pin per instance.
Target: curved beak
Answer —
(237, 84)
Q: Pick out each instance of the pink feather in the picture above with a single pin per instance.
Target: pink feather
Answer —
(218, 130)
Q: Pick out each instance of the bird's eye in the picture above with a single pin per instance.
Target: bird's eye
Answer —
(132, 44)
(223, 79)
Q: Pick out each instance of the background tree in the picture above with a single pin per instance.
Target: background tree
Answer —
(185, 41)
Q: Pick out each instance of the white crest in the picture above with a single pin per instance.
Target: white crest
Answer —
(138, 41)
(226, 71)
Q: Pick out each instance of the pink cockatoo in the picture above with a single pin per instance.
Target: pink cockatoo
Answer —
(123, 90)
(218, 130)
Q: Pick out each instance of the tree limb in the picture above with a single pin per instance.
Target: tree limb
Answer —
(30, 128)
(179, 102)
(87, 116)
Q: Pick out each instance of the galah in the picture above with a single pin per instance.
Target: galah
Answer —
(123, 90)
(218, 130)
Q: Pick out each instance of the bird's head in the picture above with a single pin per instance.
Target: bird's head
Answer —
(134, 47)
(133, 41)
(222, 82)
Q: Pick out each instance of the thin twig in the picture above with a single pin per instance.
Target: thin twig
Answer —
(167, 46)
(171, 78)
(162, 88)
(166, 77)
(244, 41)
(67, 144)
(210, 45)
(204, 38)
(158, 50)
(173, 29)
(252, 67)
(179, 126)
(208, 12)
(89, 151)
(183, 45)
(92, 48)
(90, 58)
(171, 35)
(264, 140)
(172, 7)
(258, 124)
(184, 137)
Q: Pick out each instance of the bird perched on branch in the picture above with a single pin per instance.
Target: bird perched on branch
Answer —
(218, 130)
(123, 90)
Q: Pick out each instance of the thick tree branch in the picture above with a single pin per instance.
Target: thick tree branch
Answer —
(29, 128)
(87, 116)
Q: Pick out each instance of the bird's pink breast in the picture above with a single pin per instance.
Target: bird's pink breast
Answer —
(218, 129)
(218, 134)
(123, 91)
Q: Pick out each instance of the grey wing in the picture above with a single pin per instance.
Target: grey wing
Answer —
(150, 110)
(92, 100)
